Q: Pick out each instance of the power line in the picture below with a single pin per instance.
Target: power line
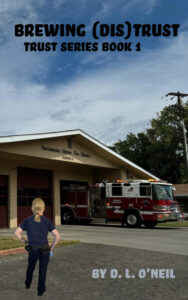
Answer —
(181, 115)
(130, 114)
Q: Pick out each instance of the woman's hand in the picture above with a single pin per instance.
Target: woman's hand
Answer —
(18, 233)
(56, 236)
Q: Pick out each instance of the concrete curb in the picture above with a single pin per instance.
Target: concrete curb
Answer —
(12, 251)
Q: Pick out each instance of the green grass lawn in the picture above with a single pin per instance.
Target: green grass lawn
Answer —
(9, 242)
(174, 224)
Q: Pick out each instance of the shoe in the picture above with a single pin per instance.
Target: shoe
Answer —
(27, 286)
(41, 293)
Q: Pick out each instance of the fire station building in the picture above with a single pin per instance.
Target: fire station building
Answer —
(38, 165)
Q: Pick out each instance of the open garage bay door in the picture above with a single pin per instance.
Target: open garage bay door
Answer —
(3, 201)
(34, 183)
(74, 200)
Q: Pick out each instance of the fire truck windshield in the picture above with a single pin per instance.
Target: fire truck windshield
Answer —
(162, 192)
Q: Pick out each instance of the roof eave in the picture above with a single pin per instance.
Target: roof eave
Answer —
(39, 136)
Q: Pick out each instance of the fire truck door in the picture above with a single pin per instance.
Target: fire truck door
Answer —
(145, 200)
(97, 203)
(82, 203)
(75, 195)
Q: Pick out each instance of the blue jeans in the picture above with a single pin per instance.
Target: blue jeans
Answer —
(34, 255)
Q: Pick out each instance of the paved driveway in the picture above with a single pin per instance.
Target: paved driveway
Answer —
(70, 270)
(156, 258)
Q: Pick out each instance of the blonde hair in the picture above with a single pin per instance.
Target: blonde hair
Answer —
(38, 206)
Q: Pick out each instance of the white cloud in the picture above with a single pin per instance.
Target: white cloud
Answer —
(18, 66)
(108, 8)
(10, 11)
(107, 102)
(58, 3)
(130, 93)
(144, 6)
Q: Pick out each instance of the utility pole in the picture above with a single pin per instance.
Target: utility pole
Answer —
(181, 110)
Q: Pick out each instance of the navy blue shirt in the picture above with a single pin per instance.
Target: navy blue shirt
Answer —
(37, 232)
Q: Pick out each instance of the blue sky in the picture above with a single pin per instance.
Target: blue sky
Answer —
(107, 95)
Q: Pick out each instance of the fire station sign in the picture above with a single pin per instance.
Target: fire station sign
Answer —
(67, 154)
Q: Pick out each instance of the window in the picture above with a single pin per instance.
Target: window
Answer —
(162, 192)
(3, 200)
(3, 190)
(22, 191)
(27, 195)
(22, 196)
(22, 201)
(116, 191)
(145, 191)
(45, 192)
(33, 192)
(69, 143)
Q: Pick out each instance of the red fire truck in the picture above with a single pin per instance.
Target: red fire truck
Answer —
(146, 202)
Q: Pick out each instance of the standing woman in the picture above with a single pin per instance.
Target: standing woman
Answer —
(37, 227)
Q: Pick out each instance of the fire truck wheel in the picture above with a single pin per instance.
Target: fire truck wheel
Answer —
(67, 217)
(150, 224)
(132, 219)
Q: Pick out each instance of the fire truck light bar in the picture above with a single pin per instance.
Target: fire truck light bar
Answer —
(156, 180)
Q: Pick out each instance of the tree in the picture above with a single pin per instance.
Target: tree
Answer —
(160, 149)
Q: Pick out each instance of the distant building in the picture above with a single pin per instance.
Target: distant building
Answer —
(181, 195)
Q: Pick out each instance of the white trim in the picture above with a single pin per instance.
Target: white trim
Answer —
(118, 211)
(37, 136)
(155, 212)
(74, 205)
(29, 137)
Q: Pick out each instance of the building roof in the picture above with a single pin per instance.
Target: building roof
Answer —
(48, 135)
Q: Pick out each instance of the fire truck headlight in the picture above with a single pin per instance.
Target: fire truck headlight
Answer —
(160, 217)
(163, 217)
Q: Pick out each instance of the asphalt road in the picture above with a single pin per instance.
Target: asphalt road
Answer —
(162, 239)
(69, 275)
(168, 240)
